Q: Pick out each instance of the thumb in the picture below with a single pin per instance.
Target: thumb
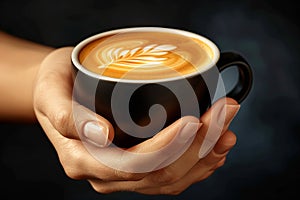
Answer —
(91, 127)
(53, 103)
(215, 122)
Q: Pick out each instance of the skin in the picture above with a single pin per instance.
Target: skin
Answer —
(45, 97)
(20, 60)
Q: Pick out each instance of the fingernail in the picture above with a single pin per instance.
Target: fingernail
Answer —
(96, 134)
(189, 130)
(226, 114)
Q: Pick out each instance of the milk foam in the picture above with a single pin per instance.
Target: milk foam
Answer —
(145, 55)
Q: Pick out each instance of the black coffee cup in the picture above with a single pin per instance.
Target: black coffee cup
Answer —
(138, 109)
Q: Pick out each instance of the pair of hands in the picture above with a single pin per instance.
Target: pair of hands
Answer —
(210, 139)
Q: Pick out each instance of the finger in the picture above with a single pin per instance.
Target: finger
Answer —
(178, 169)
(215, 121)
(226, 142)
(202, 170)
(190, 160)
(53, 99)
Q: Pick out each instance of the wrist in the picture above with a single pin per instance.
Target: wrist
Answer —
(20, 61)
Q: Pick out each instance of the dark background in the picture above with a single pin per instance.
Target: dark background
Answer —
(265, 163)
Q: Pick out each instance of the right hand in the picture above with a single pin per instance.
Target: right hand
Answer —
(173, 171)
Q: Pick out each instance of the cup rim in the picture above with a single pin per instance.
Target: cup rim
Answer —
(81, 68)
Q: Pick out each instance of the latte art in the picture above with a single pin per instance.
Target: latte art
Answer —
(144, 55)
(147, 56)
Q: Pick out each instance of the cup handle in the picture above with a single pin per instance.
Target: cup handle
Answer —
(245, 80)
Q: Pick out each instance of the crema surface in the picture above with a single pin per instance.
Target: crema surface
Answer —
(145, 55)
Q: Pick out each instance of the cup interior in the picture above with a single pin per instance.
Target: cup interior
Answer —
(213, 53)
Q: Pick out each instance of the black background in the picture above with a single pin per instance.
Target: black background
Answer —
(265, 163)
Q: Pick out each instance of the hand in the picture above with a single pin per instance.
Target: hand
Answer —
(165, 169)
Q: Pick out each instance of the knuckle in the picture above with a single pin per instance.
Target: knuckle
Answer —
(60, 120)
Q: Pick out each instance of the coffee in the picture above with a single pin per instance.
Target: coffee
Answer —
(145, 55)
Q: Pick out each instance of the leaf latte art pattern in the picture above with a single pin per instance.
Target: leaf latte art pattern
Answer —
(141, 57)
